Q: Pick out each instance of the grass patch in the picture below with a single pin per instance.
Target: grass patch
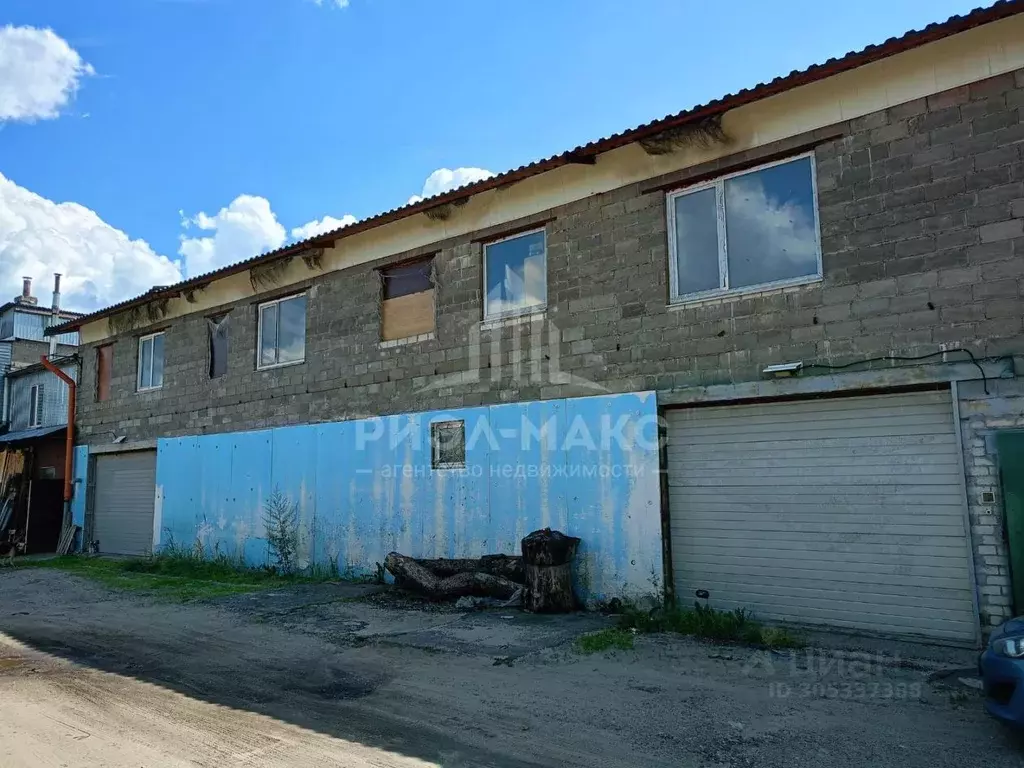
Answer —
(707, 623)
(179, 577)
(605, 640)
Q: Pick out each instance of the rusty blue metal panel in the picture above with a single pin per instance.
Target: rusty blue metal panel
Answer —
(615, 493)
(80, 483)
(587, 466)
(526, 472)
(293, 467)
(179, 487)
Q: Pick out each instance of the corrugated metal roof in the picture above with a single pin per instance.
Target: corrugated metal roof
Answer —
(64, 361)
(36, 309)
(30, 434)
(586, 152)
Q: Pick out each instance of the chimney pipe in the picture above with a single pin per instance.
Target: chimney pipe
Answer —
(55, 312)
(25, 297)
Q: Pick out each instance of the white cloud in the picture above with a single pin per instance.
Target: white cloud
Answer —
(335, 3)
(100, 264)
(39, 73)
(772, 235)
(320, 226)
(247, 227)
(445, 180)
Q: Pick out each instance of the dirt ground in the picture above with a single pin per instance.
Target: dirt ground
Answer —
(339, 675)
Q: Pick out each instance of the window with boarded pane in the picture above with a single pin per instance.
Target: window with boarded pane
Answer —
(747, 231)
(281, 335)
(151, 362)
(407, 299)
(448, 444)
(217, 328)
(104, 367)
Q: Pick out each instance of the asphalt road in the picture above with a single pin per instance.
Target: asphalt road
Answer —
(331, 676)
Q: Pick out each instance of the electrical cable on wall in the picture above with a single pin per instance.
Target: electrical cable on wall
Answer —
(905, 358)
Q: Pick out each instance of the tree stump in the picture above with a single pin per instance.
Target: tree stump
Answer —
(547, 558)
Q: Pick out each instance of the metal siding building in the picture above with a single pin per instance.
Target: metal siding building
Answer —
(30, 326)
(55, 398)
(5, 364)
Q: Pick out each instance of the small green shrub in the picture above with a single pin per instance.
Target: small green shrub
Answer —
(281, 520)
(605, 640)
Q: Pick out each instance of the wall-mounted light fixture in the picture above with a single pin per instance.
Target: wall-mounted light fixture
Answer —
(783, 370)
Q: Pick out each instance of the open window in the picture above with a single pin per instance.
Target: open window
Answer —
(407, 308)
(217, 327)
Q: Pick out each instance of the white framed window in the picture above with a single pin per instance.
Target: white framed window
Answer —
(151, 362)
(516, 275)
(448, 445)
(281, 332)
(35, 406)
(745, 231)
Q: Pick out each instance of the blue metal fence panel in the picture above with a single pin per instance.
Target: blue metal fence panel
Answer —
(586, 466)
(79, 490)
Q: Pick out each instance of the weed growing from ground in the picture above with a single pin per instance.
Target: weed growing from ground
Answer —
(707, 623)
(605, 640)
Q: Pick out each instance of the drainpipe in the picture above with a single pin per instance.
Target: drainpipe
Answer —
(70, 442)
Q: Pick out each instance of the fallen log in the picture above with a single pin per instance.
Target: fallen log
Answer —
(410, 573)
(508, 566)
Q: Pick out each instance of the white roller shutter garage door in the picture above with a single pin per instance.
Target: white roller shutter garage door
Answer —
(845, 512)
(125, 498)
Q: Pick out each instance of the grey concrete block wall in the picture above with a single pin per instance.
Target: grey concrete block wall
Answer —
(26, 352)
(921, 211)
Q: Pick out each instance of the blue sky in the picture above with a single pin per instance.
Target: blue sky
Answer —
(316, 110)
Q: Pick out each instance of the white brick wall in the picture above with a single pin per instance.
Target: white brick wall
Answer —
(981, 417)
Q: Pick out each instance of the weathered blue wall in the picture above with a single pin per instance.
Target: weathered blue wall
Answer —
(365, 488)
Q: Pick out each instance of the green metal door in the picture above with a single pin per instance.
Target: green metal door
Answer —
(1011, 470)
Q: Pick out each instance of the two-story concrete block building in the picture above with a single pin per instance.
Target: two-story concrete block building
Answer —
(766, 347)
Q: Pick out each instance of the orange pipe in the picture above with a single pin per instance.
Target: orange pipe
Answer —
(70, 442)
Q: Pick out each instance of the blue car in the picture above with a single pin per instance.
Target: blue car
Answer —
(1002, 672)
